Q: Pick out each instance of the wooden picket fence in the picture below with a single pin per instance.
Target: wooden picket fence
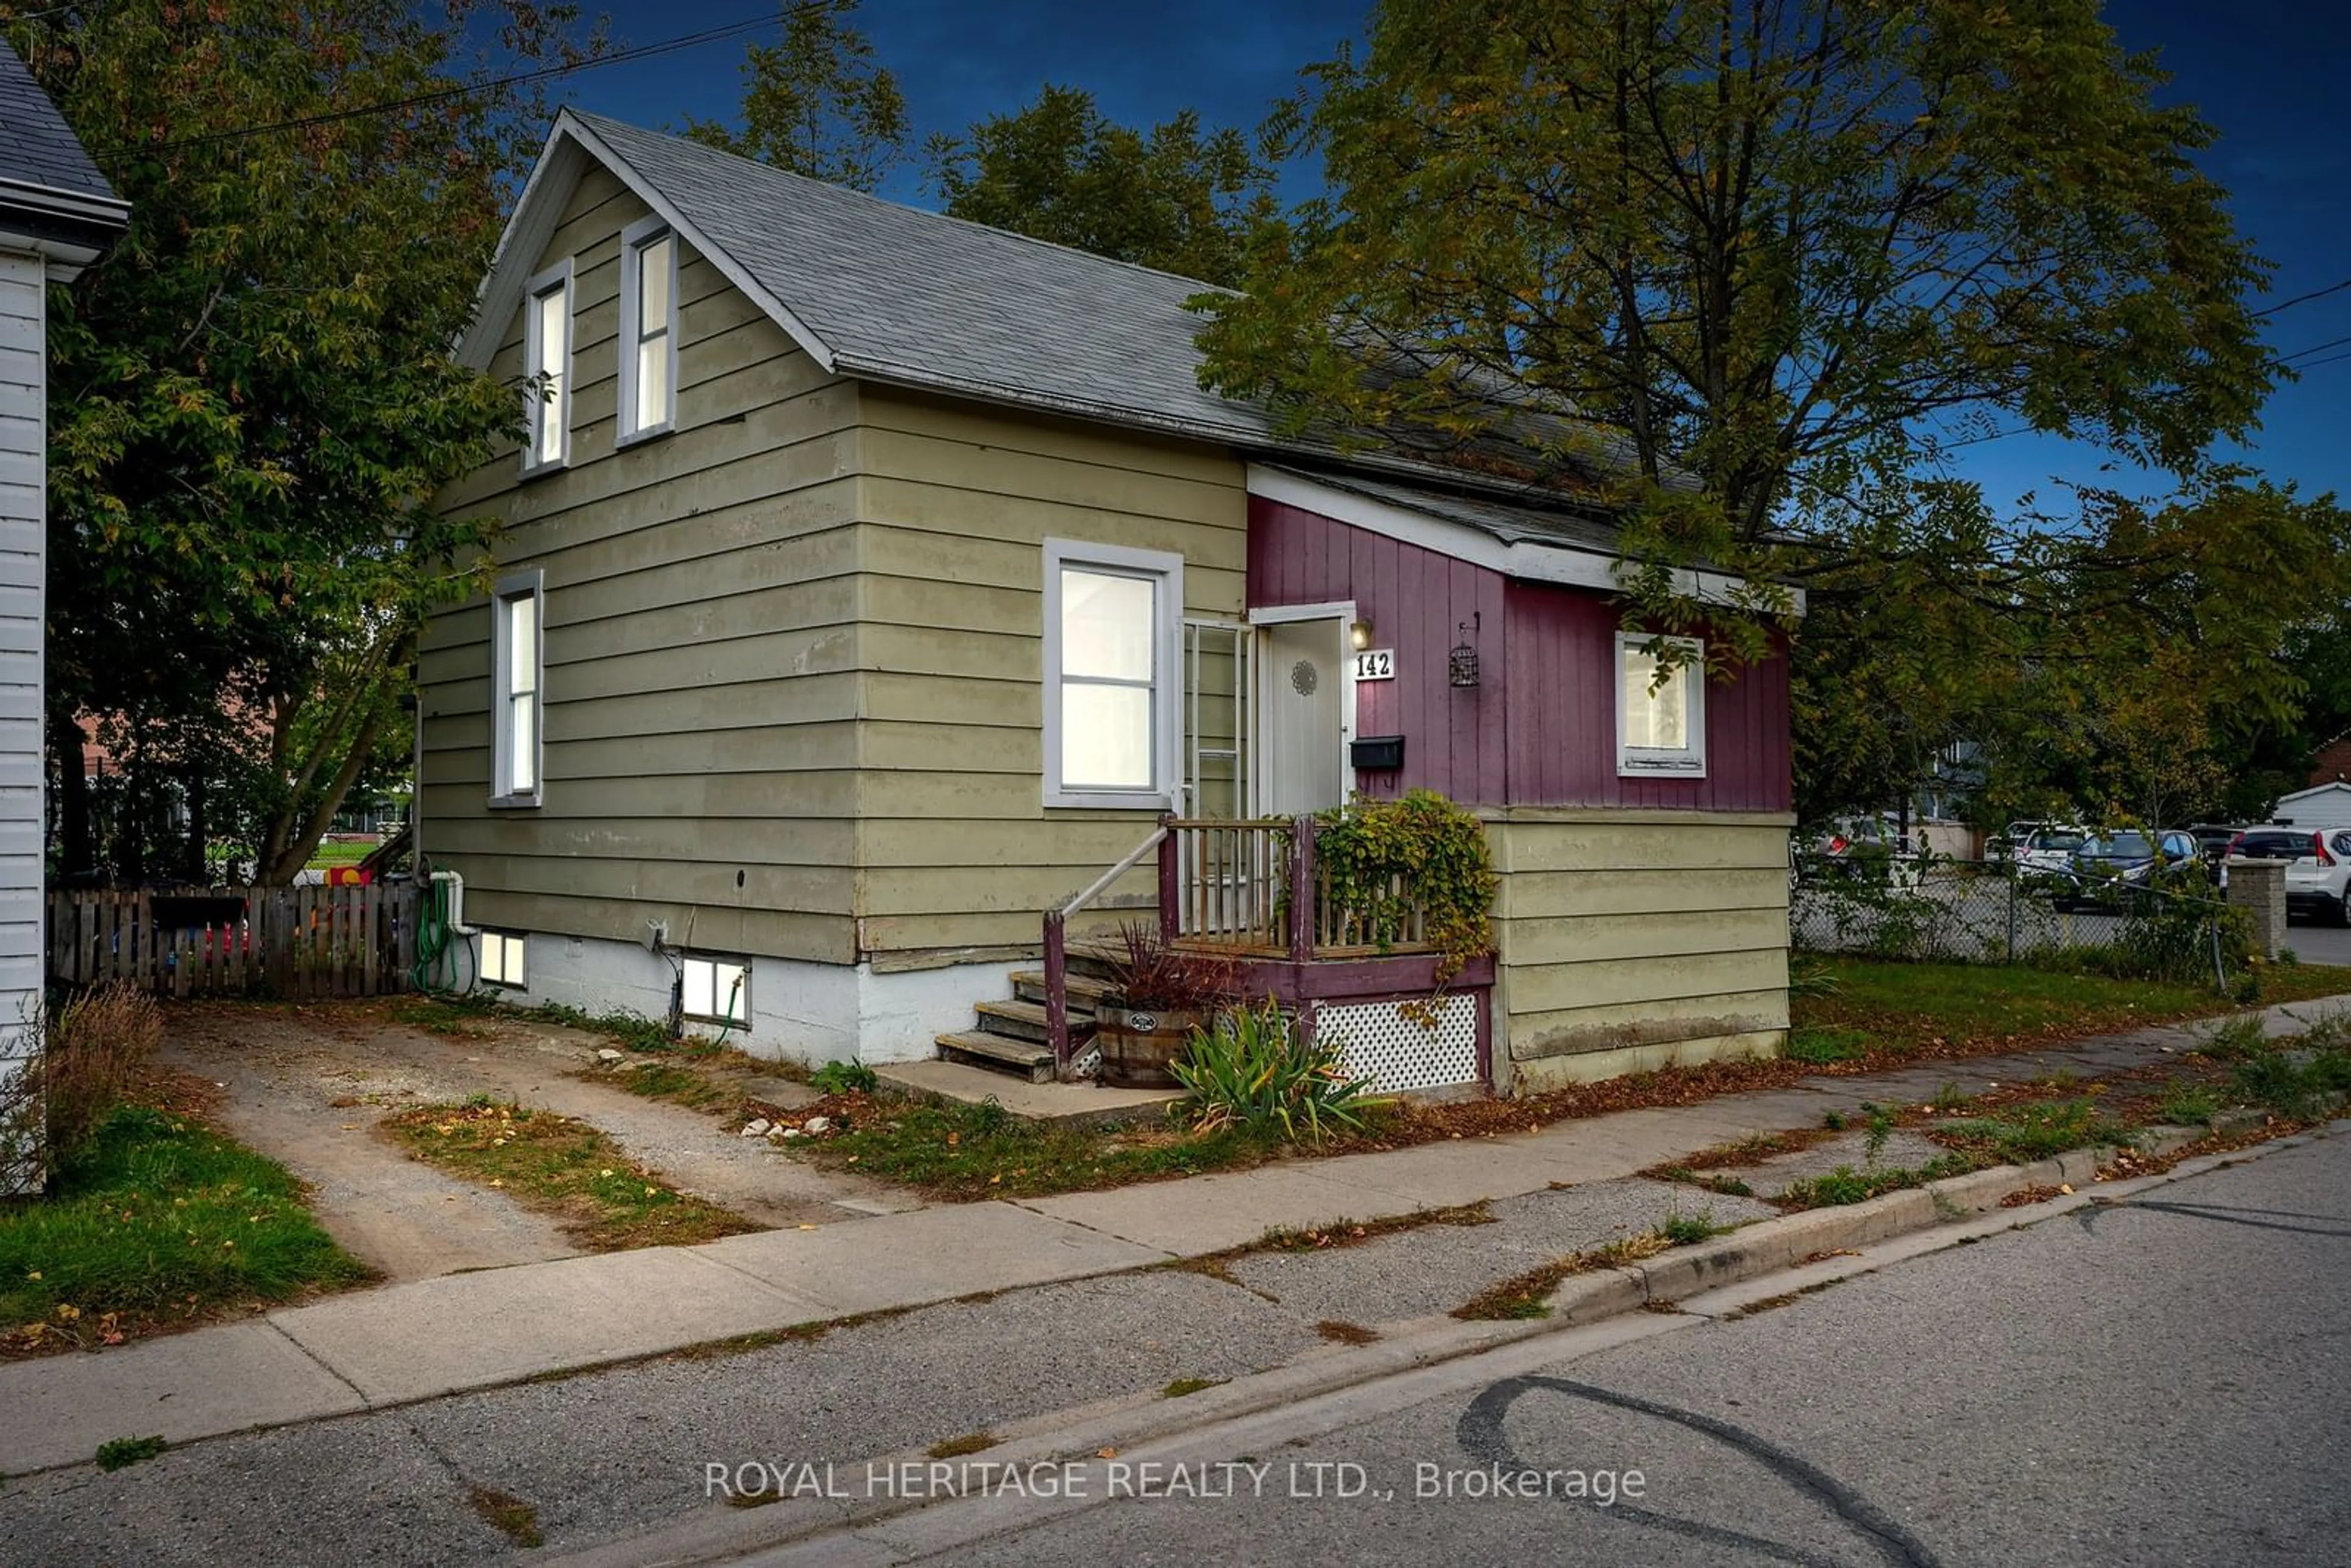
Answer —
(297, 944)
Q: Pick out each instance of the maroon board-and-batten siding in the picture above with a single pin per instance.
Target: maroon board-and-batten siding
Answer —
(1540, 727)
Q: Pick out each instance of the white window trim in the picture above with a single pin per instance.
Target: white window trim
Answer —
(1657, 762)
(732, 961)
(511, 587)
(1167, 644)
(633, 239)
(521, 978)
(538, 408)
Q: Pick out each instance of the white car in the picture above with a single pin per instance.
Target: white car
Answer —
(2048, 851)
(2317, 867)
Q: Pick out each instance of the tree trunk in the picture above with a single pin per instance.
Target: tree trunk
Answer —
(195, 872)
(72, 809)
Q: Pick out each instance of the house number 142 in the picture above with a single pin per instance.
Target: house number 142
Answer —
(1376, 665)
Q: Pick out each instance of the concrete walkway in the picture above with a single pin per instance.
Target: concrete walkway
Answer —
(417, 1340)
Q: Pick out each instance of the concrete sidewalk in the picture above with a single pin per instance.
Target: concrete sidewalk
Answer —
(413, 1341)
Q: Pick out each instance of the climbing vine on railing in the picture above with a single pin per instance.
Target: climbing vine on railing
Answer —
(1388, 864)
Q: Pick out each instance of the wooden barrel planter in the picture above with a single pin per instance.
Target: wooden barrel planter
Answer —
(1139, 1045)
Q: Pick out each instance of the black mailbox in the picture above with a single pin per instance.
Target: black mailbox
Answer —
(1376, 753)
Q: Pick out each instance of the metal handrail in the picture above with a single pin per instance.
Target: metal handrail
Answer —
(1056, 945)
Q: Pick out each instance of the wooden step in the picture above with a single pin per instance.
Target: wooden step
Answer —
(1096, 960)
(1021, 1021)
(999, 1053)
(1029, 985)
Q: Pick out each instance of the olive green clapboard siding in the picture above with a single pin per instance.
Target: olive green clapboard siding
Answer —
(1629, 940)
(701, 697)
(956, 847)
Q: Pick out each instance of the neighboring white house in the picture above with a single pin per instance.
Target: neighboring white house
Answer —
(57, 214)
(2326, 806)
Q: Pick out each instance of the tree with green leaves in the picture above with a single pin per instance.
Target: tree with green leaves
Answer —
(815, 102)
(254, 396)
(1174, 197)
(1774, 260)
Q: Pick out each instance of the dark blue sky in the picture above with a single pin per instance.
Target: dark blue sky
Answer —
(2268, 73)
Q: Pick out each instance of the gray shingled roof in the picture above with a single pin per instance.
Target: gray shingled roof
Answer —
(1509, 523)
(37, 147)
(905, 295)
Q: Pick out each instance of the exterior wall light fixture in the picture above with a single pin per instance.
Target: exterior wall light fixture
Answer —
(1461, 664)
(1359, 633)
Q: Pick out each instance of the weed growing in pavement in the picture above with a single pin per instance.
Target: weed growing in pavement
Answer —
(2233, 1038)
(1182, 1386)
(955, 1447)
(507, 1514)
(1949, 1097)
(2290, 1081)
(1689, 1230)
(1341, 1332)
(2036, 1130)
(1881, 1127)
(119, 1452)
(2188, 1104)
(1845, 1184)
(1834, 1121)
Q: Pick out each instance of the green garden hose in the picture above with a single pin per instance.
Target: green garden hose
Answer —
(436, 946)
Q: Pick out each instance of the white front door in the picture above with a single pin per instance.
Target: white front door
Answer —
(1302, 712)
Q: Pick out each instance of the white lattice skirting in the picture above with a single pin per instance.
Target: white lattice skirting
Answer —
(1395, 1053)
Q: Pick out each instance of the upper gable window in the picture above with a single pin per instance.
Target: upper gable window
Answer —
(547, 359)
(648, 329)
(1660, 719)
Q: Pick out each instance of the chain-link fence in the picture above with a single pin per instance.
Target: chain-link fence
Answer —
(2175, 926)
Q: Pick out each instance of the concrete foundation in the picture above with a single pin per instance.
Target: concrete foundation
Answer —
(799, 1011)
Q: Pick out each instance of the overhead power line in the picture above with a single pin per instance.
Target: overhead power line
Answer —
(2313, 349)
(2305, 299)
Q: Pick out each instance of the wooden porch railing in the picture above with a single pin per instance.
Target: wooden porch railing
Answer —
(1228, 884)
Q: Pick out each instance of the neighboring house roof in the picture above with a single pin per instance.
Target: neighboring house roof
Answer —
(2335, 788)
(50, 191)
(890, 293)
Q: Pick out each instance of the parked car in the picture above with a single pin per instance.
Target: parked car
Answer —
(2109, 867)
(2048, 849)
(1871, 847)
(2317, 867)
(2012, 841)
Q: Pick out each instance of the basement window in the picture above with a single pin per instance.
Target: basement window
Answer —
(547, 362)
(648, 329)
(717, 990)
(502, 955)
(1660, 720)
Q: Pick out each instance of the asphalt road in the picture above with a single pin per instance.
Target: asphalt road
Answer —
(2168, 1380)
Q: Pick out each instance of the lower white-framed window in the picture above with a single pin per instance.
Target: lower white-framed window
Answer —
(716, 990)
(1114, 618)
(502, 959)
(1660, 720)
(518, 659)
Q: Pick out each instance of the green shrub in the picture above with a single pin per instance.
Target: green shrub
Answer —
(844, 1078)
(1253, 1072)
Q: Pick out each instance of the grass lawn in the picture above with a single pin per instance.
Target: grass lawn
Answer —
(984, 1151)
(330, 854)
(161, 1223)
(564, 1168)
(1880, 1009)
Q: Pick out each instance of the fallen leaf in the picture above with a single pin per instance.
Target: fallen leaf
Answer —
(1105, 1453)
(2065, 1187)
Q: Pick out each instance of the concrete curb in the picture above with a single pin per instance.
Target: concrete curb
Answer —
(1829, 1241)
